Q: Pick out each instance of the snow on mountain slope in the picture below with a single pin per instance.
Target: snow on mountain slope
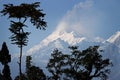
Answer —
(69, 37)
(115, 39)
(42, 54)
(111, 50)
(74, 27)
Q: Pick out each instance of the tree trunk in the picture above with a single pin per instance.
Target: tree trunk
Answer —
(20, 59)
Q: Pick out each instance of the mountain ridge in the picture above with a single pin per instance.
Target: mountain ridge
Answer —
(43, 52)
(69, 37)
(115, 39)
(72, 39)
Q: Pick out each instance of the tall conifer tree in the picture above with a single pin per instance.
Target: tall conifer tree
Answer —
(5, 58)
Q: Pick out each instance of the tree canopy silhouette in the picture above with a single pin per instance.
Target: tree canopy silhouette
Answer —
(5, 58)
(26, 11)
(23, 13)
(32, 72)
(79, 65)
(55, 64)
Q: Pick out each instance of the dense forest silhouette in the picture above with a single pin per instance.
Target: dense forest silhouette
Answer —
(77, 65)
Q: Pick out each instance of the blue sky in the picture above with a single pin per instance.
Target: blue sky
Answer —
(99, 17)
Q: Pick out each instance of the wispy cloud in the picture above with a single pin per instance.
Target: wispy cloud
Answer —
(86, 4)
(82, 19)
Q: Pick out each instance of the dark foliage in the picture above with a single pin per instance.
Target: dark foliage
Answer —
(1, 77)
(28, 63)
(33, 72)
(5, 58)
(22, 13)
(79, 65)
(23, 77)
(6, 73)
(26, 11)
(55, 64)
(19, 37)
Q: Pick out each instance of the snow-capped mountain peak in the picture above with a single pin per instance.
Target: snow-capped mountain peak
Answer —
(68, 37)
(61, 39)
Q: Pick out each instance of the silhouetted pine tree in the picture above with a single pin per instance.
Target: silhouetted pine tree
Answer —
(6, 73)
(5, 58)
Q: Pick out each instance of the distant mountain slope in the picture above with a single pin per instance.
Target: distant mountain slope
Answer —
(72, 38)
(115, 39)
(61, 40)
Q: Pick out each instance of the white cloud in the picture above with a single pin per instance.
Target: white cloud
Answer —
(86, 4)
(99, 39)
(81, 19)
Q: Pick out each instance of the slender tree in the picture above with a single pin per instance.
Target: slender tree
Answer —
(19, 37)
(23, 13)
(5, 58)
